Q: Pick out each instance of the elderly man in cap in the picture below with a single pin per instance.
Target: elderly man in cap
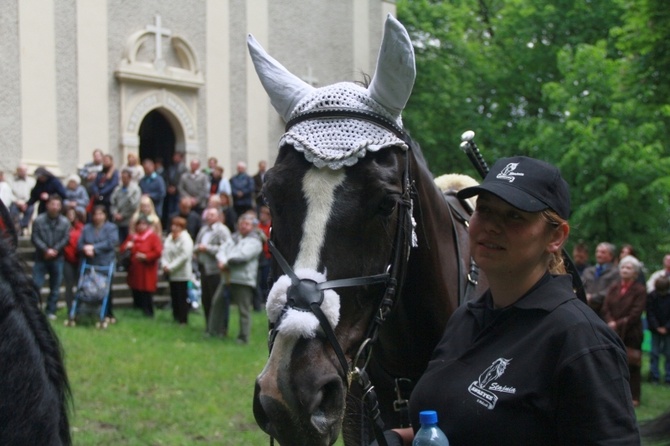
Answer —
(46, 185)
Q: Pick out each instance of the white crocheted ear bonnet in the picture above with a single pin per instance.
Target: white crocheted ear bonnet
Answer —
(336, 142)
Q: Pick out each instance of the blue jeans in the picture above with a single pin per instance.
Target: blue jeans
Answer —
(23, 218)
(55, 270)
(660, 345)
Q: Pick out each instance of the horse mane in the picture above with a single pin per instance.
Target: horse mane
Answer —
(35, 397)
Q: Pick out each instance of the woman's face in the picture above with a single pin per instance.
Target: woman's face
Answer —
(145, 207)
(627, 271)
(505, 240)
(141, 226)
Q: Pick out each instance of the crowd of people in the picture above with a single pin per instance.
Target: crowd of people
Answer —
(190, 225)
(618, 291)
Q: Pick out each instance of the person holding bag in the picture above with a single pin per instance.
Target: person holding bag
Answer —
(622, 310)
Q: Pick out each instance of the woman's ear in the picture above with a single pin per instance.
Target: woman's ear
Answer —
(558, 237)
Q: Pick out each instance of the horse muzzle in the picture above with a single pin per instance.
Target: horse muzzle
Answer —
(310, 415)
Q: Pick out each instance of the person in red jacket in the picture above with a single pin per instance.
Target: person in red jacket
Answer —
(71, 255)
(145, 248)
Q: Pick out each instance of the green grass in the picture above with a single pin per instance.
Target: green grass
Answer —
(152, 382)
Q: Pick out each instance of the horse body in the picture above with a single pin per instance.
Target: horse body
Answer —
(349, 209)
(34, 390)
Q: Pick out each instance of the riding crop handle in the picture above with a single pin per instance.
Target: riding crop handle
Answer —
(472, 151)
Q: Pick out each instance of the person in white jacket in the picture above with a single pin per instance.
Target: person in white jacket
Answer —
(176, 263)
(238, 261)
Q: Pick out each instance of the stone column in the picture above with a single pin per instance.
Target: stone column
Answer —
(93, 76)
(218, 84)
(39, 132)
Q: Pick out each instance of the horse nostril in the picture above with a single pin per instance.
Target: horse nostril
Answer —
(322, 400)
(261, 416)
(332, 395)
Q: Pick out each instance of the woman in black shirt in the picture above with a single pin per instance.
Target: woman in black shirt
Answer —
(528, 362)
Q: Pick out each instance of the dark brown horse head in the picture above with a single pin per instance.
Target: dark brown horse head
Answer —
(346, 194)
(327, 225)
(334, 194)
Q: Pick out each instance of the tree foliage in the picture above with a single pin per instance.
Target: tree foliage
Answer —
(582, 84)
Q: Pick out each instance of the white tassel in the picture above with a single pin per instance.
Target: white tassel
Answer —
(415, 239)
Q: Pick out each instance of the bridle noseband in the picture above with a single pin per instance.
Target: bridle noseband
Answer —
(307, 295)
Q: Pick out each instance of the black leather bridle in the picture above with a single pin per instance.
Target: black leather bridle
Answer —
(307, 295)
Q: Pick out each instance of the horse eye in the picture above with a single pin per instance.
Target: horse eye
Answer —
(387, 205)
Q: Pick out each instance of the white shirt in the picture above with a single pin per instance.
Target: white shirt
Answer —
(224, 186)
(6, 194)
(21, 187)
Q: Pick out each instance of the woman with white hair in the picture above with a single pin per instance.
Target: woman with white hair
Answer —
(75, 194)
(622, 311)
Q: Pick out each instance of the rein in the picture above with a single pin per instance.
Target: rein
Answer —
(307, 295)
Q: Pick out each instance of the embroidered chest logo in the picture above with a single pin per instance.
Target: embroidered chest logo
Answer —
(487, 383)
(508, 173)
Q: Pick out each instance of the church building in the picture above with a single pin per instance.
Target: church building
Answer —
(152, 77)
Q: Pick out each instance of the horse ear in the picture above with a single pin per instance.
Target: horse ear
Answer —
(284, 88)
(7, 229)
(394, 76)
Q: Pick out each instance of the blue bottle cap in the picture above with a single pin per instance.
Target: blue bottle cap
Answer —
(428, 417)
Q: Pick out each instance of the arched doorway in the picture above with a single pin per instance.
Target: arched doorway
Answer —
(157, 138)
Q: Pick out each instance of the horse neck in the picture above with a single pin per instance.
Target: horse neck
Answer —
(434, 260)
(430, 290)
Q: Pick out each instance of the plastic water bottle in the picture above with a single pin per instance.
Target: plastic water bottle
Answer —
(429, 434)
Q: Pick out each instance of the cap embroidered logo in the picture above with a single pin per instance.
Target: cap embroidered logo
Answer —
(508, 172)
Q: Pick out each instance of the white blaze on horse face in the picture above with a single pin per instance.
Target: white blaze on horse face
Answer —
(319, 187)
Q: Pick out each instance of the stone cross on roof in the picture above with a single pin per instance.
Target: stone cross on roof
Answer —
(159, 32)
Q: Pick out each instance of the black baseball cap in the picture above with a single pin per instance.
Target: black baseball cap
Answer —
(527, 184)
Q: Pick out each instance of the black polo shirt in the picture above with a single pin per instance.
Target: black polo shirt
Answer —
(545, 370)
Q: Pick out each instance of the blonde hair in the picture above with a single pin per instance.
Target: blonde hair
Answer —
(556, 261)
(152, 216)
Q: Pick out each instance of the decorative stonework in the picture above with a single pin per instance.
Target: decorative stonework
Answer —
(181, 116)
(131, 69)
(148, 85)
